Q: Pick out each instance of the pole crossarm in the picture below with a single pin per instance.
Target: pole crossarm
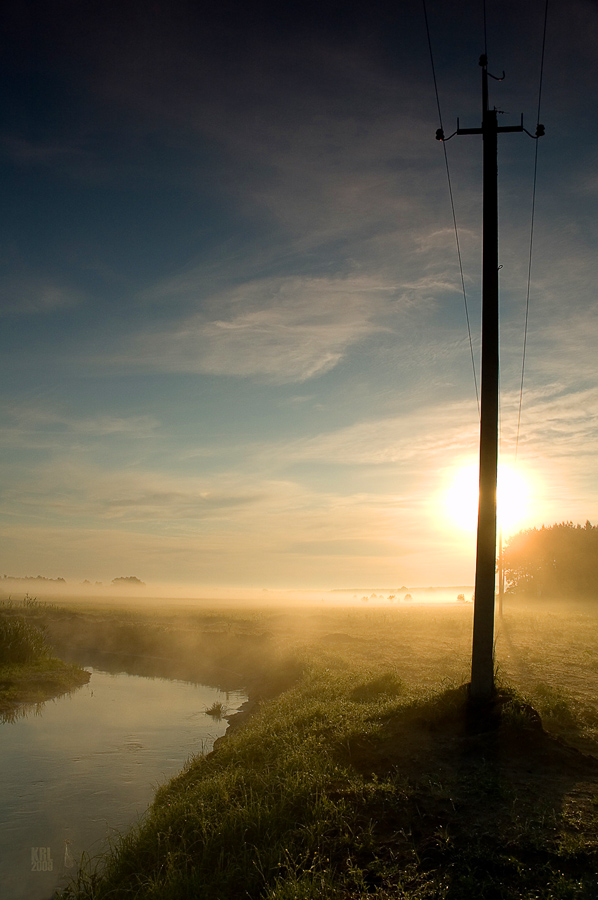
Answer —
(500, 129)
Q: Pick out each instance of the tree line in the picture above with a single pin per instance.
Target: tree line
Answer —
(553, 561)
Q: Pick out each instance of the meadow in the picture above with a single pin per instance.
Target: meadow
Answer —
(361, 771)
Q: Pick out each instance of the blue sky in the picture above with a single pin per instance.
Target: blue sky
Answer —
(234, 348)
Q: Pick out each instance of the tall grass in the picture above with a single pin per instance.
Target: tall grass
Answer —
(20, 641)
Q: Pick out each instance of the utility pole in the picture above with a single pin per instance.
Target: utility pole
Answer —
(481, 688)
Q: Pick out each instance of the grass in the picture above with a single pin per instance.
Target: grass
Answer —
(20, 641)
(217, 710)
(348, 786)
(34, 683)
(28, 671)
(363, 774)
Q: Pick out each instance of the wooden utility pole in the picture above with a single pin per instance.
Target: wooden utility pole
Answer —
(482, 661)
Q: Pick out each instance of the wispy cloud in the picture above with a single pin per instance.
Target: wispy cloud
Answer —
(30, 294)
(419, 437)
(324, 144)
(556, 422)
(34, 427)
(277, 330)
(69, 487)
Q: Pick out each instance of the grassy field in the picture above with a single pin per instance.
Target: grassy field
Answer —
(362, 772)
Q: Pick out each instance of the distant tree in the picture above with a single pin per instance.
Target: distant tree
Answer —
(127, 580)
(555, 560)
(31, 578)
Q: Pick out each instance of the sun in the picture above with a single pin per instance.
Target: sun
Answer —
(513, 498)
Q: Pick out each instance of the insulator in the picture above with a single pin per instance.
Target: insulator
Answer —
(439, 134)
(539, 131)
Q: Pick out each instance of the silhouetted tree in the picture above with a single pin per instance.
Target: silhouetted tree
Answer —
(555, 560)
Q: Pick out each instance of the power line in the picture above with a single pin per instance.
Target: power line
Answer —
(450, 189)
(531, 237)
(448, 175)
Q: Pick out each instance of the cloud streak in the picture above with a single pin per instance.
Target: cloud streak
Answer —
(34, 427)
(27, 295)
(276, 330)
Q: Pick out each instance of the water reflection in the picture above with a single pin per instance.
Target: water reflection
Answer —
(22, 711)
(85, 766)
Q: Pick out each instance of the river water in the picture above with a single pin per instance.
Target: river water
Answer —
(79, 769)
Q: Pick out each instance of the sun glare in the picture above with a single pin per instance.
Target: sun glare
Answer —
(513, 496)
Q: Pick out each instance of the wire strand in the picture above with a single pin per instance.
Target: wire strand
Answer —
(450, 189)
(531, 238)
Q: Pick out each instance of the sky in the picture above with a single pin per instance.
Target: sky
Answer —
(234, 348)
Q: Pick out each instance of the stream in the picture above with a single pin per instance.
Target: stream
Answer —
(83, 767)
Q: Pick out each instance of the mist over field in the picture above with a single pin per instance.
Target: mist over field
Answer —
(138, 592)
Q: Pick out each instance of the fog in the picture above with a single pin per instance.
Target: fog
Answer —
(187, 596)
(179, 596)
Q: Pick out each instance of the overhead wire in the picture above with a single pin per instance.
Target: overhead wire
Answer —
(450, 189)
(531, 237)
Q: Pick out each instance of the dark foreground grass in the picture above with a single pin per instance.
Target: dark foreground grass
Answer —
(350, 786)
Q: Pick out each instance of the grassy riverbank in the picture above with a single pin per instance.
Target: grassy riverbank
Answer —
(36, 682)
(366, 776)
(348, 787)
(29, 673)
